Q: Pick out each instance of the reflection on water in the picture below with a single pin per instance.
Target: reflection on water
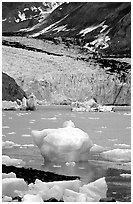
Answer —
(85, 170)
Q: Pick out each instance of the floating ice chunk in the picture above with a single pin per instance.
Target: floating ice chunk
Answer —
(11, 133)
(32, 198)
(125, 175)
(99, 131)
(72, 196)
(123, 145)
(15, 162)
(55, 192)
(7, 144)
(95, 190)
(6, 199)
(26, 135)
(9, 175)
(72, 184)
(5, 127)
(97, 148)
(54, 118)
(10, 185)
(67, 144)
(117, 155)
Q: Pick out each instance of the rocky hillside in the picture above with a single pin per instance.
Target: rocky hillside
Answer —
(10, 90)
(22, 15)
(103, 27)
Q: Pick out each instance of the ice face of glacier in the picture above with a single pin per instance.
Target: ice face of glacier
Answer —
(64, 144)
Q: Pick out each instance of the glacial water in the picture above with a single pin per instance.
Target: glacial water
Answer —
(109, 130)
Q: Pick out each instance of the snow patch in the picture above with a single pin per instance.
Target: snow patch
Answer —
(61, 28)
(22, 16)
(17, 20)
(45, 30)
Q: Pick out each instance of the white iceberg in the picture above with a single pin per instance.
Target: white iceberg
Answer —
(63, 144)
(118, 155)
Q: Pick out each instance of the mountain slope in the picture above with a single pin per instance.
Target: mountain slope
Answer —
(103, 27)
(21, 15)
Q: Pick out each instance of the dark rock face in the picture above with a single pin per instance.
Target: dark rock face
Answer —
(10, 90)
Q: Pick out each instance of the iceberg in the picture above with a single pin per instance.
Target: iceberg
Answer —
(66, 144)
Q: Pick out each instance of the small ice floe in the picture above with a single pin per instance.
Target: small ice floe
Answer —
(128, 127)
(123, 145)
(70, 163)
(10, 186)
(31, 121)
(43, 118)
(11, 133)
(92, 192)
(113, 140)
(29, 128)
(14, 162)
(125, 175)
(97, 148)
(9, 175)
(93, 118)
(127, 114)
(32, 198)
(3, 135)
(117, 155)
(103, 127)
(5, 127)
(81, 167)
(7, 144)
(10, 118)
(98, 131)
(25, 135)
(6, 199)
(28, 145)
(57, 166)
(54, 118)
